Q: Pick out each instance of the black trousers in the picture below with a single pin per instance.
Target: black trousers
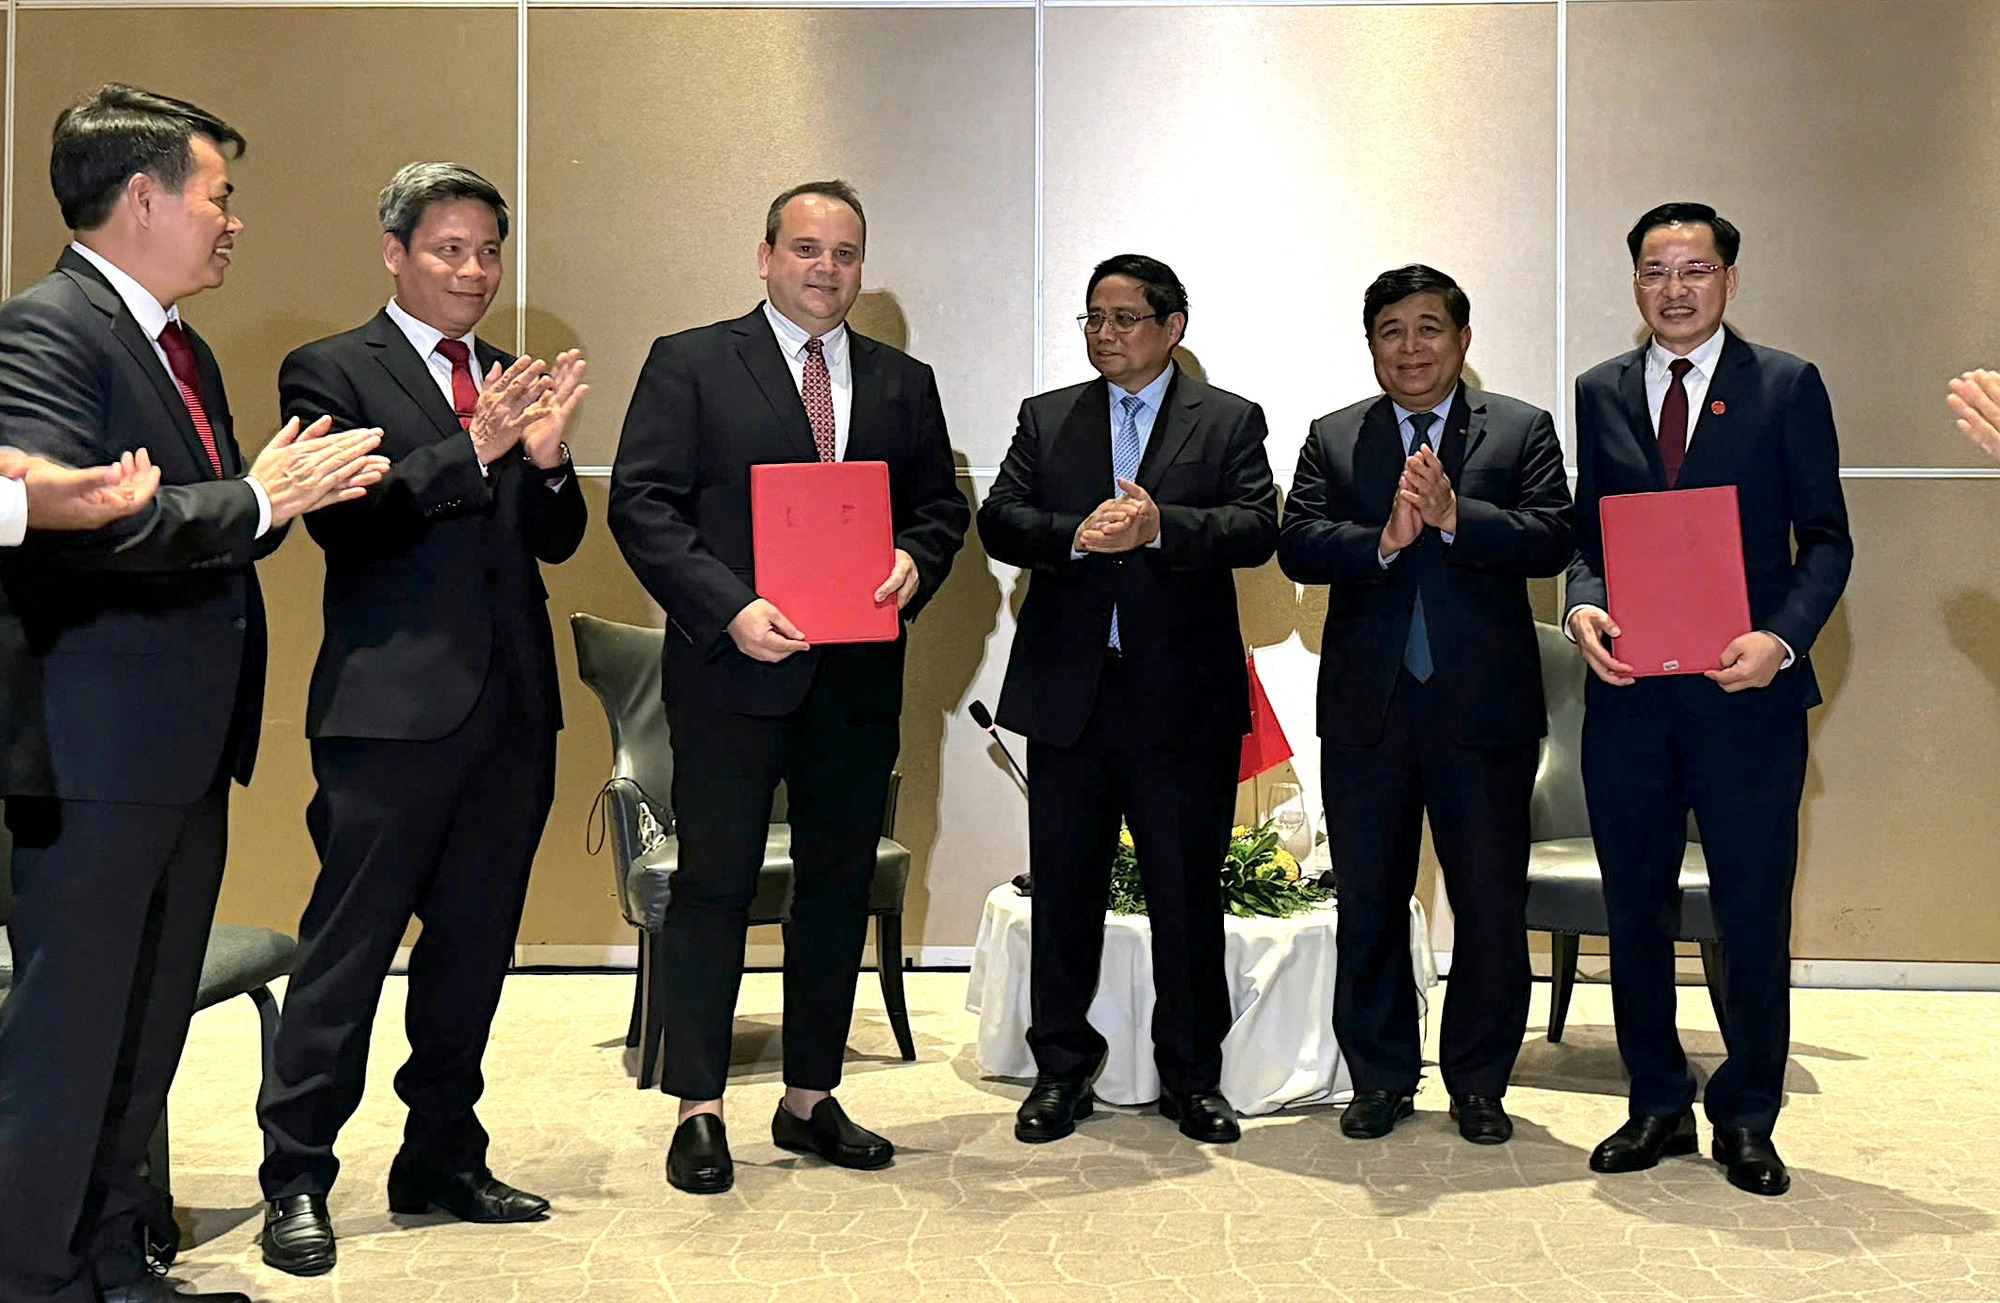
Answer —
(1649, 758)
(1477, 799)
(112, 909)
(1177, 794)
(446, 832)
(726, 771)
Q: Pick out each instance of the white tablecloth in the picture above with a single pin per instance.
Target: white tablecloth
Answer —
(1280, 1048)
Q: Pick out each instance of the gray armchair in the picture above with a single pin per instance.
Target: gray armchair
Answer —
(1565, 888)
(621, 664)
(240, 960)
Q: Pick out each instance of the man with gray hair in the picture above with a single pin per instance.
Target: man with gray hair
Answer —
(432, 713)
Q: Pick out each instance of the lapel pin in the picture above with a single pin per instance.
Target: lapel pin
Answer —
(1718, 407)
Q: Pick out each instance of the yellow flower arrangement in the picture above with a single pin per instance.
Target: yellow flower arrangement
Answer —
(1260, 879)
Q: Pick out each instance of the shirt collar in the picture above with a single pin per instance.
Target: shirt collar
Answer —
(1151, 396)
(424, 338)
(1443, 410)
(1704, 358)
(793, 338)
(139, 301)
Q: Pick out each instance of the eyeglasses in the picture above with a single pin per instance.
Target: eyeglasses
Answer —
(1696, 275)
(1121, 322)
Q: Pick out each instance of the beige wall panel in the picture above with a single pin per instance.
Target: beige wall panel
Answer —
(1851, 140)
(1279, 158)
(658, 137)
(440, 84)
(1902, 806)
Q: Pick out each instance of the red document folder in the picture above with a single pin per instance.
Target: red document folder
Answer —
(1673, 574)
(825, 542)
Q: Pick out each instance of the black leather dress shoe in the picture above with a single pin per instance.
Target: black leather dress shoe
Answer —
(831, 1134)
(154, 1289)
(1204, 1116)
(1643, 1141)
(1482, 1120)
(473, 1196)
(1751, 1160)
(298, 1235)
(1372, 1114)
(698, 1160)
(1052, 1109)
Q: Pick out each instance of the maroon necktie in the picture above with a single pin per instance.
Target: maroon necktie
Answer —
(817, 390)
(180, 360)
(1674, 421)
(464, 392)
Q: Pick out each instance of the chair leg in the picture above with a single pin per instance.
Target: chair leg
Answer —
(159, 1159)
(1715, 971)
(653, 1033)
(1563, 948)
(889, 963)
(637, 1023)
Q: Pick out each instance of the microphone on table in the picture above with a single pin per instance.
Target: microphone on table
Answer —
(1023, 883)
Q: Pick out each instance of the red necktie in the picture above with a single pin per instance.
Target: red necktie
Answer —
(1674, 421)
(180, 360)
(817, 391)
(464, 392)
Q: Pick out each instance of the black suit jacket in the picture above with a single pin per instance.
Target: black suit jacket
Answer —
(710, 404)
(436, 571)
(149, 634)
(1514, 522)
(1205, 466)
(1772, 438)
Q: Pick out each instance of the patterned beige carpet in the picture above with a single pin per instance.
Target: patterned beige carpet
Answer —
(1892, 1129)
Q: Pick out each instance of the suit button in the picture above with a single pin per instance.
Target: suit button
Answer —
(239, 624)
(1118, 561)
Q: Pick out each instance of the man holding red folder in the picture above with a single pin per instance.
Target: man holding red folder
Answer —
(1699, 407)
(750, 702)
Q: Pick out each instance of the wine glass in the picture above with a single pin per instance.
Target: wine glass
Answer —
(1288, 815)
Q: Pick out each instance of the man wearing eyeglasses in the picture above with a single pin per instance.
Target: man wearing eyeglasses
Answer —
(1698, 407)
(1131, 499)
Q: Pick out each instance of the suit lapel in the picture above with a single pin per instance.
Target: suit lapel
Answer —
(1083, 446)
(864, 420)
(394, 351)
(758, 347)
(1463, 432)
(1729, 390)
(1379, 454)
(1639, 415)
(125, 328)
(1180, 410)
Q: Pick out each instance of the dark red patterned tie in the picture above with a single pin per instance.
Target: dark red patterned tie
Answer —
(817, 391)
(180, 360)
(1674, 421)
(464, 390)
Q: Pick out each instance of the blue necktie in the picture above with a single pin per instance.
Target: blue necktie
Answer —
(1417, 650)
(1125, 452)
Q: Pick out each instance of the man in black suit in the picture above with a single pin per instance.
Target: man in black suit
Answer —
(1132, 499)
(749, 701)
(432, 712)
(1425, 510)
(1698, 406)
(148, 639)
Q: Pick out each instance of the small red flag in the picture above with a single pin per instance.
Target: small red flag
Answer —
(1264, 746)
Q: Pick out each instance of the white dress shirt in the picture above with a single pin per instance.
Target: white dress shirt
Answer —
(1409, 436)
(13, 512)
(1659, 376)
(424, 338)
(153, 319)
(792, 340)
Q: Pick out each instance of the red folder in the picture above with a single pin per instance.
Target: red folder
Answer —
(1673, 575)
(824, 543)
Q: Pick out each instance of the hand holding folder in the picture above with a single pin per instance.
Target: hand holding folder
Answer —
(824, 542)
(1673, 576)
